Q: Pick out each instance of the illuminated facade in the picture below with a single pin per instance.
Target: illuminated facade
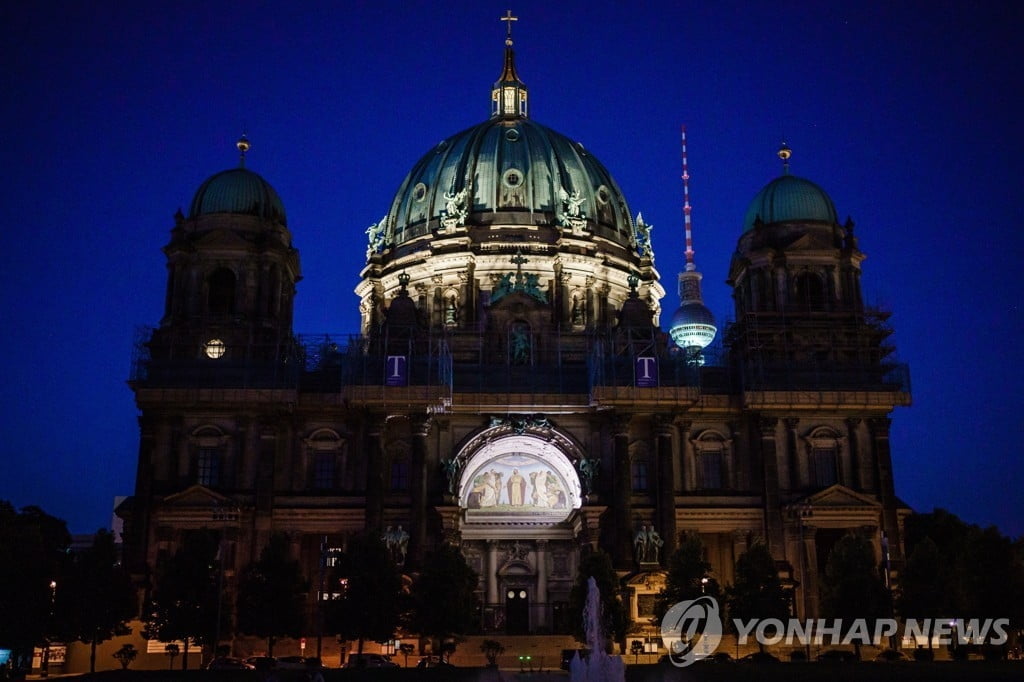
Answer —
(510, 390)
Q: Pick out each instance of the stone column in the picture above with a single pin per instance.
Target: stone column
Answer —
(879, 428)
(623, 554)
(856, 479)
(374, 432)
(792, 478)
(809, 570)
(666, 484)
(772, 507)
(686, 461)
(491, 579)
(542, 584)
(421, 425)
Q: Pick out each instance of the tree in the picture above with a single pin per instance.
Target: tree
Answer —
(757, 592)
(126, 655)
(272, 594)
(687, 575)
(444, 603)
(96, 598)
(370, 587)
(33, 553)
(852, 587)
(492, 648)
(185, 597)
(171, 651)
(598, 565)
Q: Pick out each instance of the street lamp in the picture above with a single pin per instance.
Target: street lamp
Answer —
(44, 665)
(703, 585)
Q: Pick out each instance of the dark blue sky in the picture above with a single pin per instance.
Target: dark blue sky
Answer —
(114, 113)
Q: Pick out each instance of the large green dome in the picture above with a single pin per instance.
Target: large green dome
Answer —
(238, 191)
(509, 171)
(788, 199)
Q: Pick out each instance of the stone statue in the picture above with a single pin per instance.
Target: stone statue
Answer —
(450, 467)
(640, 545)
(654, 543)
(643, 236)
(589, 469)
(455, 206)
(519, 346)
(375, 237)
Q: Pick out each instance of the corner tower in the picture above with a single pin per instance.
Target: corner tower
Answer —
(231, 274)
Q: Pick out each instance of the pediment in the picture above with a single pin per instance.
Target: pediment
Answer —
(840, 496)
(223, 239)
(195, 496)
(812, 241)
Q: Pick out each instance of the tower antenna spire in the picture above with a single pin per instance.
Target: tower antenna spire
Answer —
(690, 265)
(243, 147)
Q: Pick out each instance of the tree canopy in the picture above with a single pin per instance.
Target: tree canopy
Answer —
(96, 598)
(185, 597)
(272, 594)
(685, 575)
(598, 565)
(757, 591)
(33, 553)
(444, 603)
(369, 586)
(852, 587)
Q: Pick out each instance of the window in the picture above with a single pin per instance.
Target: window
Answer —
(208, 464)
(823, 466)
(323, 470)
(809, 291)
(400, 474)
(640, 474)
(221, 292)
(709, 469)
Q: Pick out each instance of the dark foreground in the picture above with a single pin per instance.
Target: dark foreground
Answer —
(780, 672)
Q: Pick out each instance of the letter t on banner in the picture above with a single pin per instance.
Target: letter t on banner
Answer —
(646, 371)
(397, 371)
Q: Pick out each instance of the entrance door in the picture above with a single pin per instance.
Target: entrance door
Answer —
(517, 611)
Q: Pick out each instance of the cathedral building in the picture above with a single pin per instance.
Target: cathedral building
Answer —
(510, 390)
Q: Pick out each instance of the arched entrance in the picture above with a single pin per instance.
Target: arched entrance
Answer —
(519, 496)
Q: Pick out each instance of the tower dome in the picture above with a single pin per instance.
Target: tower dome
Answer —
(509, 188)
(508, 171)
(238, 191)
(787, 199)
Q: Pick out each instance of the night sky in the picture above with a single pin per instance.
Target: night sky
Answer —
(113, 113)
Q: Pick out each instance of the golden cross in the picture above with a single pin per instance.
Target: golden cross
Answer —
(509, 18)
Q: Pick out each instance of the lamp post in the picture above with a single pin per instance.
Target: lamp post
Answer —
(704, 585)
(44, 664)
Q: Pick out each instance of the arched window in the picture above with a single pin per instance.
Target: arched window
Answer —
(711, 462)
(400, 474)
(823, 457)
(209, 443)
(640, 471)
(809, 291)
(324, 447)
(221, 292)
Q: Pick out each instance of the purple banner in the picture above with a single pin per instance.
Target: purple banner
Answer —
(397, 371)
(646, 368)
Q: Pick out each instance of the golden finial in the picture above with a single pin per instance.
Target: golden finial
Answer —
(243, 146)
(784, 153)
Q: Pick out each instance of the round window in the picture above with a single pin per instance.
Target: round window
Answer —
(603, 195)
(512, 177)
(215, 348)
(419, 192)
(512, 135)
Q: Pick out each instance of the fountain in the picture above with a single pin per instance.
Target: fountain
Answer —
(598, 666)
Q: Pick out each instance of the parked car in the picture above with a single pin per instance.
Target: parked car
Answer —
(433, 662)
(837, 656)
(717, 657)
(292, 663)
(369, 661)
(891, 656)
(262, 662)
(228, 663)
(759, 657)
